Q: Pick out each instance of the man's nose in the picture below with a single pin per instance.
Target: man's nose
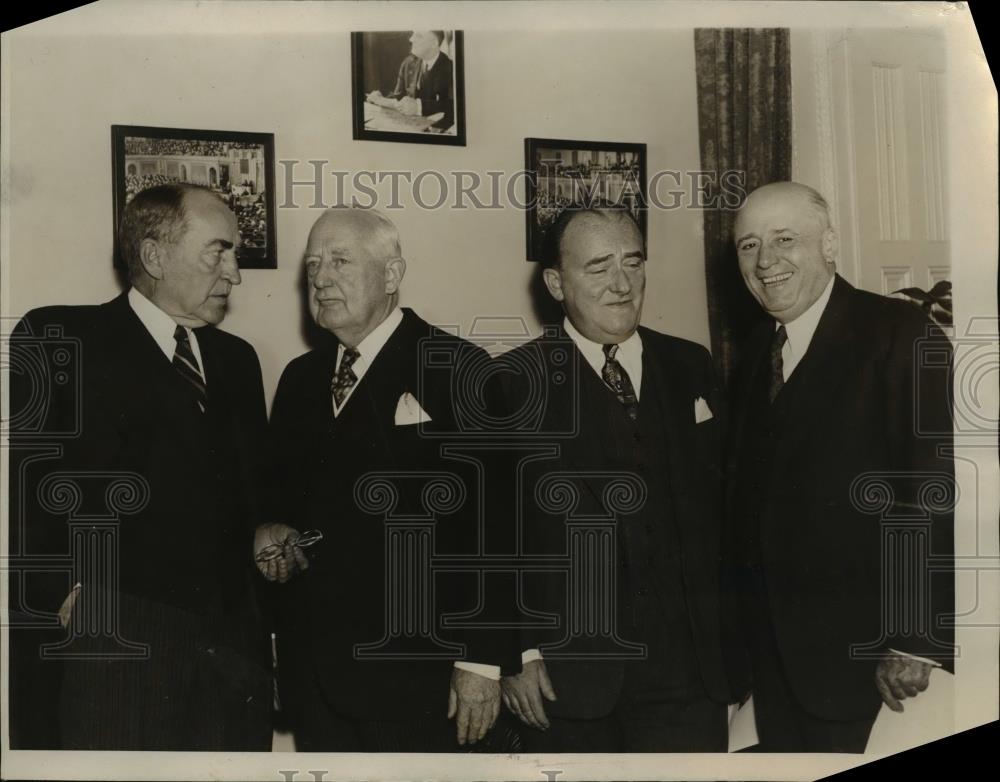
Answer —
(324, 275)
(620, 282)
(766, 257)
(231, 271)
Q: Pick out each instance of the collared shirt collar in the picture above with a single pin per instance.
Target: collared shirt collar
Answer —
(369, 348)
(432, 63)
(629, 354)
(161, 326)
(801, 330)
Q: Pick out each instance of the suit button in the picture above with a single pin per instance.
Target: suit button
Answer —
(641, 467)
(636, 436)
(649, 528)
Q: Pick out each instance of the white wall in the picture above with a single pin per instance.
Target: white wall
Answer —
(66, 90)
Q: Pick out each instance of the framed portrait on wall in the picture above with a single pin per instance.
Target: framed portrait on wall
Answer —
(409, 86)
(563, 173)
(238, 166)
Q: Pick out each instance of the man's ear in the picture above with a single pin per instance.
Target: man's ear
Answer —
(394, 271)
(831, 245)
(553, 281)
(152, 254)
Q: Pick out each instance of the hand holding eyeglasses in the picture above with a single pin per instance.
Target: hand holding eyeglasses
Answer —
(279, 550)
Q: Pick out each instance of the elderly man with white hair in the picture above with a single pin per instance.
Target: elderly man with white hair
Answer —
(366, 662)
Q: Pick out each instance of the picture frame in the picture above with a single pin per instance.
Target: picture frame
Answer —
(237, 165)
(398, 96)
(564, 171)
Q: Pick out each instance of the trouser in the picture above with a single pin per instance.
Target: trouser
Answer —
(782, 724)
(202, 686)
(645, 719)
(319, 726)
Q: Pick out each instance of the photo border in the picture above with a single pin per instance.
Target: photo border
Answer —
(266, 260)
(358, 99)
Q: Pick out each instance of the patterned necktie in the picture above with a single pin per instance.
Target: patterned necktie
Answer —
(185, 363)
(777, 379)
(345, 378)
(617, 380)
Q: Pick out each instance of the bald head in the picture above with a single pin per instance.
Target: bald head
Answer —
(354, 266)
(786, 247)
(788, 195)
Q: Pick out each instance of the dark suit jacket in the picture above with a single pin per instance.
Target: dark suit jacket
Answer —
(683, 371)
(98, 392)
(866, 398)
(345, 597)
(436, 93)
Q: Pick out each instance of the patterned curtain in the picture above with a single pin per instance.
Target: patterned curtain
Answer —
(745, 126)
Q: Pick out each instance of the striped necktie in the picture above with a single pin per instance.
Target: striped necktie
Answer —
(186, 363)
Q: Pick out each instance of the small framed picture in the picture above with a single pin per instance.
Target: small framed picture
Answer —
(563, 173)
(238, 166)
(409, 86)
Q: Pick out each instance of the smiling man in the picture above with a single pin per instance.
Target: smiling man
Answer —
(624, 406)
(831, 393)
(174, 408)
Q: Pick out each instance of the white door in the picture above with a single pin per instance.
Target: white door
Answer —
(889, 146)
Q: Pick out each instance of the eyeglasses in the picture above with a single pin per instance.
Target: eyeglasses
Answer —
(305, 540)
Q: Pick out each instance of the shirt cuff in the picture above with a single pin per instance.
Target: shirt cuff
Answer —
(918, 659)
(529, 655)
(489, 671)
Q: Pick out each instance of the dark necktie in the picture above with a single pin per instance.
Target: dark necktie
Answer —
(777, 379)
(187, 365)
(617, 380)
(345, 378)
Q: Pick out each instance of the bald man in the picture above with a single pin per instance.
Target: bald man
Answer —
(368, 401)
(830, 395)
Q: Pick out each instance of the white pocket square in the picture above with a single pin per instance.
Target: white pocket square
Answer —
(409, 411)
(702, 412)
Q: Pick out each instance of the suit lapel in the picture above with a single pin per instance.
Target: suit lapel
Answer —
(820, 375)
(671, 389)
(392, 373)
(754, 363)
(577, 453)
(151, 371)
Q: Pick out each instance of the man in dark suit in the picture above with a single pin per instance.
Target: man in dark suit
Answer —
(835, 410)
(165, 446)
(424, 85)
(370, 404)
(634, 661)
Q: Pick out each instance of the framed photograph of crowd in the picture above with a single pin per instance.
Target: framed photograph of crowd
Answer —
(563, 173)
(238, 166)
(409, 86)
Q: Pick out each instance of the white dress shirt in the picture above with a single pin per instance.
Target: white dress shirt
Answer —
(161, 328)
(800, 332)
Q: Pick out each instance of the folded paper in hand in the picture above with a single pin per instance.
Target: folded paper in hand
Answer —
(742, 726)
(927, 717)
